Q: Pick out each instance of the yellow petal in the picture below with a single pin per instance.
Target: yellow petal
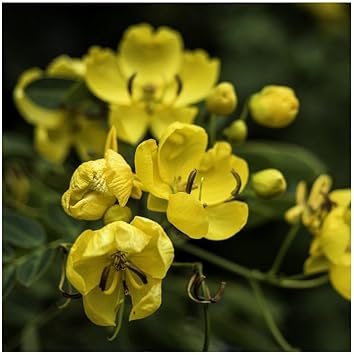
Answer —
(188, 215)
(137, 190)
(161, 119)
(131, 122)
(119, 176)
(319, 189)
(181, 149)
(156, 204)
(198, 74)
(111, 140)
(340, 277)
(293, 214)
(104, 77)
(157, 256)
(301, 192)
(90, 139)
(147, 169)
(315, 264)
(53, 144)
(215, 168)
(66, 67)
(101, 308)
(31, 112)
(146, 299)
(226, 219)
(335, 235)
(341, 197)
(150, 53)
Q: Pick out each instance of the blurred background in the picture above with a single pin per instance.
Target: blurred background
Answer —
(304, 46)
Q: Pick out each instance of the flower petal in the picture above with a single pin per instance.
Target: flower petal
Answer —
(340, 277)
(119, 176)
(101, 308)
(315, 264)
(341, 197)
(150, 53)
(104, 77)
(66, 67)
(188, 215)
(157, 256)
(156, 204)
(90, 139)
(226, 219)
(181, 149)
(146, 299)
(161, 119)
(53, 144)
(131, 122)
(31, 112)
(198, 75)
(147, 169)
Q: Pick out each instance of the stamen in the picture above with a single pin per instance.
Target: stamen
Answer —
(238, 182)
(137, 271)
(190, 181)
(179, 85)
(130, 84)
(119, 260)
(104, 278)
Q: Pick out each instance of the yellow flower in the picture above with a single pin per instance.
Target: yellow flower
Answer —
(222, 100)
(150, 82)
(118, 260)
(331, 247)
(310, 209)
(237, 131)
(57, 130)
(274, 106)
(97, 184)
(268, 183)
(195, 188)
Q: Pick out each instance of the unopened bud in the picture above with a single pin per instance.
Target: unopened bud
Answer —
(268, 183)
(222, 100)
(237, 131)
(274, 106)
(117, 213)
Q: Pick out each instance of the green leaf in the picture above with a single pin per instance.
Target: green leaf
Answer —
(7, 253)
(8, 279)
(22, 231)
(49, 92)
(30, 340)
(15, 144)
(34, 266)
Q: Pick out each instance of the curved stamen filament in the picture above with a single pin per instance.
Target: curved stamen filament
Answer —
(190, 181)
(237, 177)
(137, 272)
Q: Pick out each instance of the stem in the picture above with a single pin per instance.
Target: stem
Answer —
(277, 335)
(212, 129)
(119, 322)
(244, 112)
(284, 249)
(206, 328)
(250, 273)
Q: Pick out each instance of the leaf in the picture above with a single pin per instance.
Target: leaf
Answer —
(7, 253)
(22, 231)
(16, 144)
(30, 340)
(34, 266)
(49, 92)
(8, 279)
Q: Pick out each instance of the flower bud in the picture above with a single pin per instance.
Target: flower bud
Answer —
(222, 100)
(268, 183)
(237, 131)
(117, 213)
(274, 106)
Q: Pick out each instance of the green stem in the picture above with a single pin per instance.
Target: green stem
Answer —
(244, 112)
(206, 328)
(277, 335)
(119, 322)
(212, 129)
(250, 273)
(284, 249)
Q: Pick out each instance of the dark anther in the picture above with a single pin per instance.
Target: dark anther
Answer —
(237, 177)
(179, 85)
(138, 272)
(190, 181)
(327, 204)
(130, 84)
(125, 288)
(104, 278)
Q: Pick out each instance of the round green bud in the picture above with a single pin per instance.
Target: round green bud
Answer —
(117, 213)
(274, 106)
(222, 100)
(268, 183)
(237, 131)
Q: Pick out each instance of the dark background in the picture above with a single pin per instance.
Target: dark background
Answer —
(258, 44)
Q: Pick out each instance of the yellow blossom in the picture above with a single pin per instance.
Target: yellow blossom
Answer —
(151, 81)
(194, 187)
(274, 106)
(56, 131)
(268, 183)
(237, 131)
(222, 100)
(118, 260)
